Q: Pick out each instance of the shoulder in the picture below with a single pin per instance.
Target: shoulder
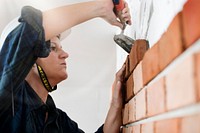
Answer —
(62, 114)
(68, 123)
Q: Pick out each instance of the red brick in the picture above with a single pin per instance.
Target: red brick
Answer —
(137, 52)
(136, 129)
(132, 109)
(150, 66)
(140, 105)
(180, 87)
(125, 130)
(130, 129)
(167, 126)
(190, 124)
(197, 74)
(129, 88)
(147, 128)
(125, 114)
(156, 98)
(191, 21)
(170, 44)
(137, 78)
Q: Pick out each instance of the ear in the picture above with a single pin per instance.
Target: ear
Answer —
(34, 65)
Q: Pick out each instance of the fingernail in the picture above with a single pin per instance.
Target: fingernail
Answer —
(118, 82)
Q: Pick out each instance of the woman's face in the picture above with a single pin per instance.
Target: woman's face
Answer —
(55, 64)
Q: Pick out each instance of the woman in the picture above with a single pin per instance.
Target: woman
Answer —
(32, 63)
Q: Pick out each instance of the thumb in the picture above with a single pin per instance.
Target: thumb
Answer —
(118, 24)
(118, 89)
(117, 96)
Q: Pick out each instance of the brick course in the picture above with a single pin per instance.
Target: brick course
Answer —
(156, 98)
(151, 96)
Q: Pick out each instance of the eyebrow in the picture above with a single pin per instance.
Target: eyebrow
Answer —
(58, 36)
(56, 44)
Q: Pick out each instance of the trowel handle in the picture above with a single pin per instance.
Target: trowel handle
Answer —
(119, 5)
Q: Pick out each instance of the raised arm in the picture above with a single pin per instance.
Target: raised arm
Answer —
(57, 20)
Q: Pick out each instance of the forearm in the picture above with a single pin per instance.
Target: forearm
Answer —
(57, 20)
(113, 120)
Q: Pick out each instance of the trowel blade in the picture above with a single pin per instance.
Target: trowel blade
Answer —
(124, 42)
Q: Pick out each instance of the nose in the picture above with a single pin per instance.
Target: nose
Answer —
(64, 54)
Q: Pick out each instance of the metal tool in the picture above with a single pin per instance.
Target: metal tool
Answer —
(122, 40)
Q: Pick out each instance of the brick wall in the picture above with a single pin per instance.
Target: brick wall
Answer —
(162, 89)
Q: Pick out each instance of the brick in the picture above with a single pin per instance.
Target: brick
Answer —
(147, 128)
(137, 78)
(125, 130)
(191, 20)
(156, 98)
(150, 64)
(197, 74)
(136, 129)
(180, 88)
(190, 124)
(137, 52)
(125, 114)
(132, 109)
(140, 100)
(130, 129)
(129, 88)
(167, 126)
(170, 44)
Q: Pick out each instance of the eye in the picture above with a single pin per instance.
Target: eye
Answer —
(53, 47)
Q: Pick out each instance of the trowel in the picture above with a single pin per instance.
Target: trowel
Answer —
(122, 40)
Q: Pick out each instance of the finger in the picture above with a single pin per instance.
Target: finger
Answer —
(117, 96)
(126, 15)
(126, 8)
(120, 73)
(122, 69)
(118, 89)
(117, 23)
(128, 21)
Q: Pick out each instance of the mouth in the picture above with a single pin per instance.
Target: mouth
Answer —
(64, 64)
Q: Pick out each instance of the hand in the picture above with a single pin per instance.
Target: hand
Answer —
(117, 100)
(114, 116)
(111, 17)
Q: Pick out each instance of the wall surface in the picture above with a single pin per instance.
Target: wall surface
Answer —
(162, 90)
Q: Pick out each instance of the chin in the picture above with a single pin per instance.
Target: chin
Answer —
(62, 76)
(65, 76)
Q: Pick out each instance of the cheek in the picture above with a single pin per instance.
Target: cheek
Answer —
(51, 59)
(44, 64)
